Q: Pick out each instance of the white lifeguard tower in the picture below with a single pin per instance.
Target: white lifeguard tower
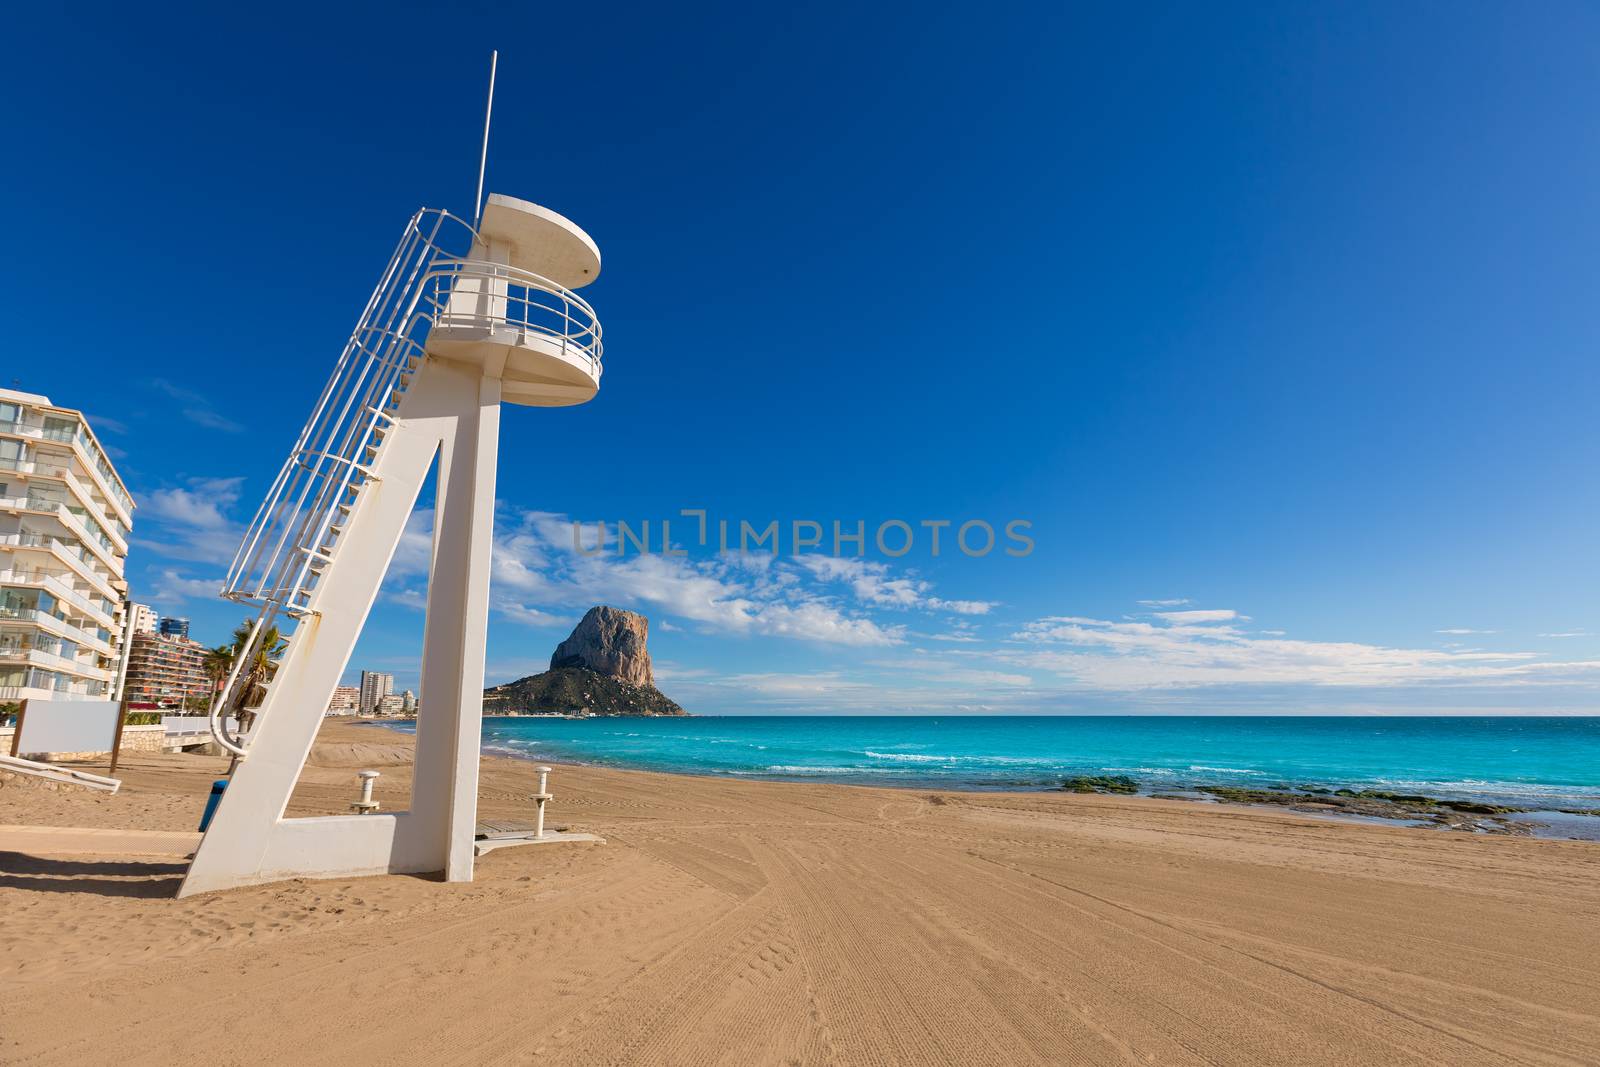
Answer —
(464, 319)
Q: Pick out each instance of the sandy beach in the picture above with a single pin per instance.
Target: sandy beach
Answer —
(744, 922)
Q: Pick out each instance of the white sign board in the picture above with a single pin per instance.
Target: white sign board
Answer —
(67, 726)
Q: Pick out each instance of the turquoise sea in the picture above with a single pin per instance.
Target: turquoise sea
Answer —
(1533, 762)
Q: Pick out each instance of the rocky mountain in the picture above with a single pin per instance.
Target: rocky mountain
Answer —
(603, 668)
(611, 642)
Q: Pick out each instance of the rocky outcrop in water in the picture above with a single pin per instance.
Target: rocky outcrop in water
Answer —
(603, 668)
(1470, 816)
(1101, 783)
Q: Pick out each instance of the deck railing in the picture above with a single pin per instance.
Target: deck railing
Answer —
(475, 293)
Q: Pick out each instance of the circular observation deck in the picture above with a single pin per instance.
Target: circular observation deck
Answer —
(512, 297)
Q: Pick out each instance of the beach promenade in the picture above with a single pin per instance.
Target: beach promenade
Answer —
(745, 923)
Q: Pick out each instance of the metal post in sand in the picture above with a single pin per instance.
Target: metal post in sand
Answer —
(366, 805)
(540, 798)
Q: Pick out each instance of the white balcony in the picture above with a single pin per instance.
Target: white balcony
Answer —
(86, 510)
(40, 684)
(41, 658)
(61, 590)
(60, 628)
(549, 335)
(114, 503)
(75, 557)
(34, 428)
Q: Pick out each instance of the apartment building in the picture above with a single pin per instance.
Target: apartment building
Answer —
(375, 685)
(344, 701)
(64, 522)
(167, 671)
(141, 619)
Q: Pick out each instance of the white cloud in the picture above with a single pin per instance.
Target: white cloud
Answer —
(1460, 630)
(172, 589)
(933, 668)
(196, 408)
(1186, 652)
(1569, 633)
(104, 424)
(1190, 618)
(677, 672)
(871, 583)
(537, 568)
(201, 505)
(1175, 602)
(193, 521)
(415, 599)
(413, 555)
(822, 683)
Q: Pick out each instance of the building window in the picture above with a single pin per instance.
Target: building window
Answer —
(58, 429)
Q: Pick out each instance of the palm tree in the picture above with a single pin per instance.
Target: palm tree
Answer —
(218, 661)
(252, 687)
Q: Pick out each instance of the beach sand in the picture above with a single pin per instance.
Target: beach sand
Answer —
(740, 922)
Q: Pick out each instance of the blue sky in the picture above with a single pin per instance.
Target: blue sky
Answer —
(1276, 323)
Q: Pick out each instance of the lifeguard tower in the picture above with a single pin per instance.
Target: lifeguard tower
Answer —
(464, 318)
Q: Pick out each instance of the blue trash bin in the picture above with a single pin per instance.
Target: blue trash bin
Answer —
(212, 801)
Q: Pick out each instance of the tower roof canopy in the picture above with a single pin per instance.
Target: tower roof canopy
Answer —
(541, 241)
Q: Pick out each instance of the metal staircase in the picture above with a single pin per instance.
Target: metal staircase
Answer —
(295, 534)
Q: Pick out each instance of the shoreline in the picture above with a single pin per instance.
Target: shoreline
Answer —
(1458, 811)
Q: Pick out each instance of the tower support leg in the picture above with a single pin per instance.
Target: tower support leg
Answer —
(452, 412)
(450, 716)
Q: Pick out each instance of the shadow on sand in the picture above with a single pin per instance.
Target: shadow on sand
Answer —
(107, 878)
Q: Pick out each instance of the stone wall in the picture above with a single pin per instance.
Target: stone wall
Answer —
(143, 738)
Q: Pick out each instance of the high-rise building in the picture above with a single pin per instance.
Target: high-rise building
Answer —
(375, 685)
(142, 619)
(170, 627)
(64, 522)
(167, 671)
(392, 704)
(408, 702)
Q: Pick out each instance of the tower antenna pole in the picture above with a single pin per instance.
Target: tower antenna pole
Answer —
(483, 159)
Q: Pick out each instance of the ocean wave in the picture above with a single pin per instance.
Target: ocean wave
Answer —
(788, 768)
(1224, 770)
(997, 761)
(1482, 787)
(510, 748)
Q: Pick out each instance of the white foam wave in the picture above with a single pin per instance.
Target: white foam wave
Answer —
(788, 768)
(998, 761)
(1481, 787)
(1154, 772)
